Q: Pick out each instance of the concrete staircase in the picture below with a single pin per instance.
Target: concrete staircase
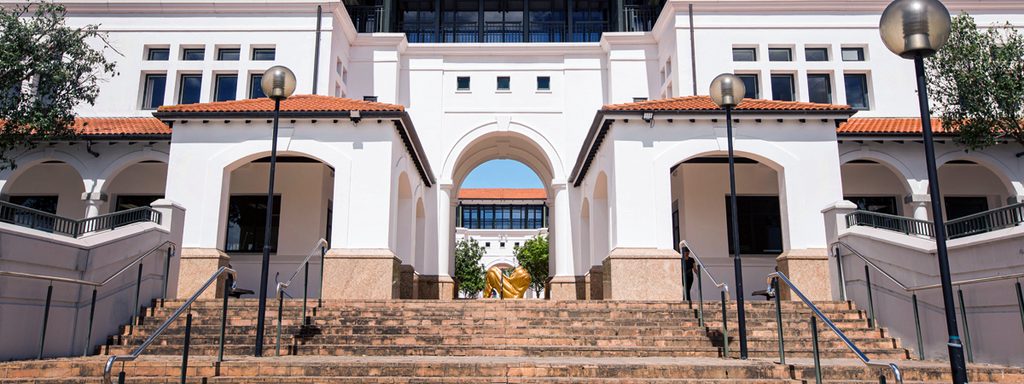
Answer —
(520, 341)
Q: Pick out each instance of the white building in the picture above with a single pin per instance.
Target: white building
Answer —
(387, 125)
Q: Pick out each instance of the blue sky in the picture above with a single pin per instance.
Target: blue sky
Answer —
(502, 174)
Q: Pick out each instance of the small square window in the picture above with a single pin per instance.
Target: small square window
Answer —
(819, 88)
(264, 54)
(543, 83)
(780, 54)
(752, 86)
(816, 54)
(744, 54)
(501, 244)
(504, 83)
(256, 86)
(228, 54)
(158, 54)
(853, 54)
(487, 244)
(783, 88)
(516, 245)
(462, 82)
(193, 54)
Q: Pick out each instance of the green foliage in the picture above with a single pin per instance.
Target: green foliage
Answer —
(469, 273)
(977, 83)
(46, 69)
(533, 256)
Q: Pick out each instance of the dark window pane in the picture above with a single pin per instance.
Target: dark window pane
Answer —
(463, 83)
(760, 224)
(879, 204)
(190, 88)
(193, 54)
(960, 206)
(752, 86)
(255, 86)
(246, 220)
(782, 88)
(853, 54)
(780, 54)
(504, 83)
(857, 91)
(819, 88)
(228, 54)
(126, 202)
(263, 53)
(226, 87)
(543, 83)
(158, 54)
(46, 204)
(153, 93)
(744, 54)
(816, 54)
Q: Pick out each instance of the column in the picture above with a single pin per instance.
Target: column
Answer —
(920, 204)
(563, 284)
(441, 286)
(93, 202)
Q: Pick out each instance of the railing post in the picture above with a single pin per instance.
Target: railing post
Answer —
(871, 299)
(778, 320)
(280, 309)
(224, 316)
(700, 298)
(967, 327)
(46, 319)
(842, 274)
(305, 292)
(1020, 302)
(686, 292)
(167, 274)
(815, 351)
(135, 308)
(725, 327)
(320, 300)
(120, 376)
(184, 351)
(917, 328)
(92, 315)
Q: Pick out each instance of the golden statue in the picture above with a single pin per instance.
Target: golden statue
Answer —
(513, 286)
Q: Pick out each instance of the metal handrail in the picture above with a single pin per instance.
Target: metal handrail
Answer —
(320, 248)
(846, 340)
(981, 222)
(723, 287)
(896, 223)
(108, 367)
(87, 282)
(320, 244)
(76, 227)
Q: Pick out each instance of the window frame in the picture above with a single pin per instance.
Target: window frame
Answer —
(546, 80)
(760, 201)
(866, 86)
(146, 97)
(752, 50)
(458, 83)
(151, 50)
(792, 86)
(757, 84)
(508, 83)
(181, 87)
(257, 50)
(828, 87)
(185, 51)
(217, 90)
(275, 225)
(861, 54)
(788, 50)
(222, 51)
(828, 55)
(255, 84)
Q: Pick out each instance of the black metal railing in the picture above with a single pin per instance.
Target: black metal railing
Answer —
(902, 224)
(367, 18)
(48, 222)
(502, 32)
(548, 32)
(639, 18)
(319, 249)
(419, 31)
(588, 31)
(982, 222)
(722, 286)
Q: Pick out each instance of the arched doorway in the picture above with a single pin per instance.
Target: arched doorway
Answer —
(874, 186)
(970, 187)
(136, 185)
(50, 186)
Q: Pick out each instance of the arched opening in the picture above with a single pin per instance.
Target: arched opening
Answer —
(421, 227)
(969, 187)
(137, 185)
(584, 236)
(875, 187)
(49, 186)
(600, 236)
(404, 242)
(303, 191)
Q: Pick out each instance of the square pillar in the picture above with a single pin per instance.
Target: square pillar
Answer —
(567, 288)
(809, 270)
(648, 274)
(196, 265)
(361, 274)
(407, 284)
(595, 283)
(436, 287)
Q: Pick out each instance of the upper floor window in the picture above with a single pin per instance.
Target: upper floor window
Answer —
(857, 90)
(816, 54)
(193, 54)
(744, 54)
(783, 87)
(158, 54)
(153, 91)
(543, 83)
(190, 86)
(853, 54)
(228, 54)
(264, 53)
(819, 88)
(780, 54)
(256, 86)
(504, 83)
(462, 83)
(751, 84)
(225, 87)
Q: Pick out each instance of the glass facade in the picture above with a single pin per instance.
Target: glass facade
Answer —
(503, 216)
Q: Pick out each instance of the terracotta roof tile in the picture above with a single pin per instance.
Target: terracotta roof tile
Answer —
(888, 125)
(704, 103)
(298, 103)
(502, 194)
(100, 126)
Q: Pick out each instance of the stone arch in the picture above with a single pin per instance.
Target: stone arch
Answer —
(403, 231)
(125, 161)
(600, 227)
(584, 237)
(897, 167)
(998, 169)
(420, 239)
(549, 163)
(9, 176)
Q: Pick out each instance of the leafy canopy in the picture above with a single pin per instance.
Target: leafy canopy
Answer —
(977, 83)
(46, 69)
(469, 273)
(533, 256)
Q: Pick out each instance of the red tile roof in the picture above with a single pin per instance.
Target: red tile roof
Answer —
(704, 103)
(297, 103)
(121, 126)
(502, 194)
(889, 126)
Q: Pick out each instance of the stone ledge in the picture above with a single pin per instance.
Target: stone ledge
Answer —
(643, 253)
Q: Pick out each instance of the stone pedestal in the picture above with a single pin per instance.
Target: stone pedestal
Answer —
(407, 284)
(361, 274)
(809, 270)
(595, 283)
(642, 274)
(435, 287)
(566, 288)
(196, 265)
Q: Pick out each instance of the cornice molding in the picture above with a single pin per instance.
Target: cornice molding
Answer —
(185, 6)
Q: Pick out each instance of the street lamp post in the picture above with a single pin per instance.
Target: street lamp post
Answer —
(727, 91)
(915, 29)
(278, 83)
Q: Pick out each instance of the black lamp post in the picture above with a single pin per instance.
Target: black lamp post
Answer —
(727, 90)
(915, 29)
(278, 83)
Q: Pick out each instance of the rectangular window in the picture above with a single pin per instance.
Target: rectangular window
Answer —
(819, 88)
(744, 54)
(189, 88)
(225, 87)
(783, 88)
(153, 91)
(193, 54)
(228, 54)
(853, 54)
(246, 220)
(264, 54)
(760, 224)
(46, 204)
(255, 86)
(504, 83)
(879, 204)
(462, 82)
(960, 206)
(543, 83)
(158, 54)
(752, 85)
(780, 54)
(816, 54)
(857, 90)
(126, 202)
